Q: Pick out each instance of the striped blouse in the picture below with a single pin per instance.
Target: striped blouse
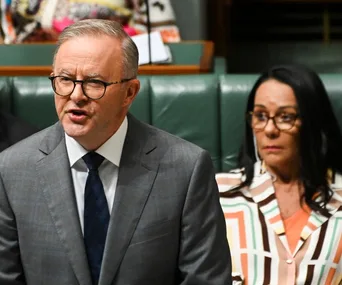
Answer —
(259, 247)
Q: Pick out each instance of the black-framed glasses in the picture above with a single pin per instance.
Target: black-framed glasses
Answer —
(92, 88)
(282, 121)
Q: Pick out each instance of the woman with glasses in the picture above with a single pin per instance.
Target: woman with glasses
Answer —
(283, 205)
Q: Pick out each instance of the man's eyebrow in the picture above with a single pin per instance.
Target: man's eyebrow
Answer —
(64, 71)
(93, 75)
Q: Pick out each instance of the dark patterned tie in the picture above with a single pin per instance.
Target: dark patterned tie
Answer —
(96, 215)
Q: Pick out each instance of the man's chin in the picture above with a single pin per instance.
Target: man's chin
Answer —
(75, 131)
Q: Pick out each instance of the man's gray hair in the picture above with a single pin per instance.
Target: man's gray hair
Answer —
(98, 27)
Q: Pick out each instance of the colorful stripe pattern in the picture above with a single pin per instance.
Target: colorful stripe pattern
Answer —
(258, 244)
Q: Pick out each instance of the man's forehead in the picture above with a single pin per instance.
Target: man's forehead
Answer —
(88, 56)
(92, 38)
(90, 48)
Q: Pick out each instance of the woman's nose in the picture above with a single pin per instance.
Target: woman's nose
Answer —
(271, 127)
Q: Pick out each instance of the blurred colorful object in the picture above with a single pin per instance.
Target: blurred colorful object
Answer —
(42, 20)
(162, 19)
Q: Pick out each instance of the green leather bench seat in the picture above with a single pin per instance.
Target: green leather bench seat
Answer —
(5, 93)
(187, 107)
(32, 100)
(234, 90)
(207, 110)
(333, 83)
(141, 107)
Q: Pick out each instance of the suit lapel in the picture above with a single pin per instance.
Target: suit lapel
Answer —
(56, 182)
(136, 176)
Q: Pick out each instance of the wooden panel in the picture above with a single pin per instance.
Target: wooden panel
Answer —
(25, 70)
(204, 65)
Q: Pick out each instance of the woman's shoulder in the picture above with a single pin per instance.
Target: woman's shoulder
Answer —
(229, 180)
(336, 185)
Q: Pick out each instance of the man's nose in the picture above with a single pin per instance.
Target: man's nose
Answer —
(78, 95)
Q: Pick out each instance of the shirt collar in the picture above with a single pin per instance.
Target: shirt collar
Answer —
(110, 150)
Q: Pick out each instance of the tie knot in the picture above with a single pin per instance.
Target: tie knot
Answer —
(93, 160)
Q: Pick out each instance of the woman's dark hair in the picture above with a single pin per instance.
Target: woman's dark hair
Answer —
(320, 145)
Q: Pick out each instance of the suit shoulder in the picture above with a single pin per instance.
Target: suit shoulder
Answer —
(17, 128)
(170, 149)
(170, 140)
(162, 137)
(23, 151)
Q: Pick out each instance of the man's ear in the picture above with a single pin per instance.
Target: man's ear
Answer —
(131, 91)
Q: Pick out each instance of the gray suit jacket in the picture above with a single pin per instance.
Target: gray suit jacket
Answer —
(166, 226)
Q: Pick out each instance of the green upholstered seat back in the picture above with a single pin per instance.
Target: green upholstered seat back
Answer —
(207, 110)
(333, 85)
(141, 107)
(182, 105)
(33, 100)
(187, 106)
(234, 91)
(5, 93)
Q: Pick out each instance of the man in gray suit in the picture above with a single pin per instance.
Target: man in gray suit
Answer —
(146, 212)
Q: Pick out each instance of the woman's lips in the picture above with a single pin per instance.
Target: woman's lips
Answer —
(272, 148)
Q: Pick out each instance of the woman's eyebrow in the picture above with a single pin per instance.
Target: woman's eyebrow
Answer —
(288, 106)
(259, 105)
(279, 108)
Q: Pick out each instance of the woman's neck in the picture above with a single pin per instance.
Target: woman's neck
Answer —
(288, 189)
(284, 175)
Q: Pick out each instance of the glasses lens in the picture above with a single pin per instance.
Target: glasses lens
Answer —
(258, 120)
(285, 121)
(284, 126)
(63, 86)
(94, 88)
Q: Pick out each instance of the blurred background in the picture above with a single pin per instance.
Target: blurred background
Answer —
(255, 34)
(250, 35)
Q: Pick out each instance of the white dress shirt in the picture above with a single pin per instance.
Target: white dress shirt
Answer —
(111, 150)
